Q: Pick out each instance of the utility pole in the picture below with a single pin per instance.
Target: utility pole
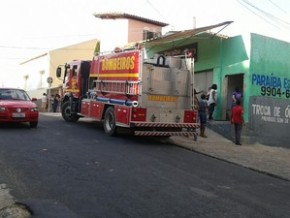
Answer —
(49, 81)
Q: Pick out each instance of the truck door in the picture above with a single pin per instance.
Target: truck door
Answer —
(84, 77)
(71, 81)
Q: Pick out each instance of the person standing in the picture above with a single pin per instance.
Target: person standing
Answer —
(238, 120)
(55, 102)
(212, 99)
(202, 112)
(237, 95)
(196, 101)
(44, 102)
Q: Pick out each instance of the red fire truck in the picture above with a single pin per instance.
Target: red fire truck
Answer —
(151, 97)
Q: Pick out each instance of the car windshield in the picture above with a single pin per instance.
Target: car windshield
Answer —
(14, 94)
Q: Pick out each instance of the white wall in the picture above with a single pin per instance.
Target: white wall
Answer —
(36, 71)
(112, 34)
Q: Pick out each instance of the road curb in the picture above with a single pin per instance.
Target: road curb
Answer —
(11, 209)
(16, 210)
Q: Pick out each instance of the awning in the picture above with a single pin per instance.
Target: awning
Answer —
(181, 35)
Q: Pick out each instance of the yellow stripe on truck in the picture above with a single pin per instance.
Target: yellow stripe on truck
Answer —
(162, 98)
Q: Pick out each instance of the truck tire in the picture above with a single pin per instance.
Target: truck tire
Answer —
(66, 113)
(110, 122)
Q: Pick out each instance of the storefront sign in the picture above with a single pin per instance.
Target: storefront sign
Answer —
(269, 115)
(270, 120)
(272, 86)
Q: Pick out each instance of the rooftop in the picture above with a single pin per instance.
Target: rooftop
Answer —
(119, 15)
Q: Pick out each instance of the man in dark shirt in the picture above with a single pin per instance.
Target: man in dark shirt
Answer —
(202, 115)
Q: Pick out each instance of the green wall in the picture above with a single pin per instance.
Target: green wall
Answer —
(235, 60)
(269, 90)
(270, 67)
(225, 56)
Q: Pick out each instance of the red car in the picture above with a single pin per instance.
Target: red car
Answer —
(17, 107)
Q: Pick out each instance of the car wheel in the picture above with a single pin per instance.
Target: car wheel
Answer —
(110, 122)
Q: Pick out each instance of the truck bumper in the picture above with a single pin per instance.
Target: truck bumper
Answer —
(165, 129)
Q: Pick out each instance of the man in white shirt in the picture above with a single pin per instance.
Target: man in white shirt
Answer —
(212, 99)
(44, 102)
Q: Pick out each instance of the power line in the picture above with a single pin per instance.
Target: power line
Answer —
(20, 47)
(277, 6)
(244, 4)
(264, 15)
(13, 58)
(43, 48)
(156, 10)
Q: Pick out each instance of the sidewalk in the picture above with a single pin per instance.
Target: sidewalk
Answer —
(274, 161)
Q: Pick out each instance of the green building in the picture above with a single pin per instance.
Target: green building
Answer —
(258, 65)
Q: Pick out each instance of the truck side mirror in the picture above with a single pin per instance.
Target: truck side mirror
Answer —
(58, 72)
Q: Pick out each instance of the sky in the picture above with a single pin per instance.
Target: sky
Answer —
(29, 28)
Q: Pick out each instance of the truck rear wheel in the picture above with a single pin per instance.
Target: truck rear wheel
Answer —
(67, 113)
(110, 122)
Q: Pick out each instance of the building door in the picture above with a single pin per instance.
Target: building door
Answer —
(230, 82)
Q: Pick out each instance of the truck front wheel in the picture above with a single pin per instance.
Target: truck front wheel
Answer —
(67, 113)
(110, 122)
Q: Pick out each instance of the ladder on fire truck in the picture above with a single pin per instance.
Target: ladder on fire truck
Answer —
(117, 87)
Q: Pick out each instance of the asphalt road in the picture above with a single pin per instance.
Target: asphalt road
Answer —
(72, 170)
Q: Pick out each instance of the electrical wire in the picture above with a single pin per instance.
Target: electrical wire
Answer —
(44, 48)
(277, 6)
(264, 15)
(156, 10)
(256, 14)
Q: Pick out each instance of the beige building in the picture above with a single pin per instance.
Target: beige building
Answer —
(116, 30)
(36, 71)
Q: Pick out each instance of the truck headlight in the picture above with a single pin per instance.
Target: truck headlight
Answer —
(135, 103)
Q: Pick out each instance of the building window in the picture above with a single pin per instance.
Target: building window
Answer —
(150, 35)
(41, 79)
